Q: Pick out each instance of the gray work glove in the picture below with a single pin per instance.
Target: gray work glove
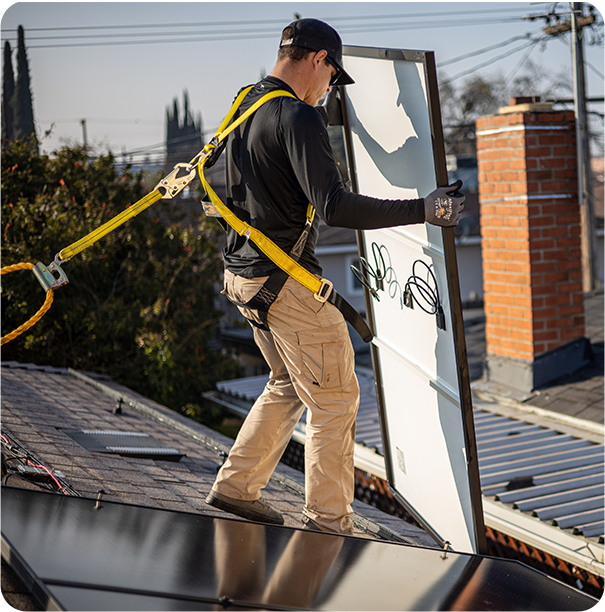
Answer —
(444, 205)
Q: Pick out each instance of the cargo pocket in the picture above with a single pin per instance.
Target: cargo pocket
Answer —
(322, 350)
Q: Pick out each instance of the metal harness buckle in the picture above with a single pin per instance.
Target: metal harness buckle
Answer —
(324, 291)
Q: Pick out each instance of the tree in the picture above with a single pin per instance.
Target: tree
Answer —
(8, 90)
(462, 106)
(140, 302)
(480, 95)
(183, 139)
(23, 112)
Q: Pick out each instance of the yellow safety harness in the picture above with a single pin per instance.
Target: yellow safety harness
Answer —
(321, 288)
(53, 276)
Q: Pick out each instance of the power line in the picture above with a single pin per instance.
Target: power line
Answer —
(594, 70)
(230, 32)
(264, 21)
(485, 50)
(253, 36)
(493, 60)
(521, 62)
(226, 35)
(234, 31)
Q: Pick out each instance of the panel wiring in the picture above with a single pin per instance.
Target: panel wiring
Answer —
(20, 463)
(422, 291)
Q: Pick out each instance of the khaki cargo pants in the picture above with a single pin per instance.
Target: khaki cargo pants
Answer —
(312, 365)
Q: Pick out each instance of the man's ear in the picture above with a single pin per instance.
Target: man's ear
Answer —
(320, 56)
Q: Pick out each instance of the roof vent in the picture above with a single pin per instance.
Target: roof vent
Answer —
(125, 443)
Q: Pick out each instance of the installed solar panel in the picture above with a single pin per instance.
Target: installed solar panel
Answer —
(126, 557)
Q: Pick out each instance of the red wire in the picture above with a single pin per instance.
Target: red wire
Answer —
(43, 467)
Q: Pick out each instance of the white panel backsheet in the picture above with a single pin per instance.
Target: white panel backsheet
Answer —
(393, 157)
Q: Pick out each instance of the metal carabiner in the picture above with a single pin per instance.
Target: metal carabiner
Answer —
(46, 275)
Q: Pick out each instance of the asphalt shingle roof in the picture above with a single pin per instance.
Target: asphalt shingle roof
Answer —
(38, 402)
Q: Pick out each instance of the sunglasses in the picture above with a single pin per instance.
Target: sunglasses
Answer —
(338, 70)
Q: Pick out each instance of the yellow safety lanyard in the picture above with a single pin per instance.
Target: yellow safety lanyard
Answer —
(53, 276)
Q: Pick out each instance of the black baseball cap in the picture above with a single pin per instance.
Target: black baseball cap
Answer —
(317, 36)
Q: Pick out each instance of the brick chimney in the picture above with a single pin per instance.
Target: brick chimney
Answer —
(530, 227)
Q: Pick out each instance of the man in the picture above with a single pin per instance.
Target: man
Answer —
(278, 161)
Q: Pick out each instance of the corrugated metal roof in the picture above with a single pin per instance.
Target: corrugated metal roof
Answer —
(529, 468)
(536, 470)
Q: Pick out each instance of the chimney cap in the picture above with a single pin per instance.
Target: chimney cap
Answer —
(526, 104)
(515, 100)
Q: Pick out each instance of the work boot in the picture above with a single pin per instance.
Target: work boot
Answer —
(256, 510)
(311, 525)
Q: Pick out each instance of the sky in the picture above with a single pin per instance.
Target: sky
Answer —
(119, 65)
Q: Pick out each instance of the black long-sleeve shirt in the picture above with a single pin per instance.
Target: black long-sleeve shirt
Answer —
(278, 161)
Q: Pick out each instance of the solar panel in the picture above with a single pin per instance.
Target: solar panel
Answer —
(127, 557)
(395, 150)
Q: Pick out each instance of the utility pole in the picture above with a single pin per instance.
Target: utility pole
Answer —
(84, 139)
(575, 25)
(583, 151)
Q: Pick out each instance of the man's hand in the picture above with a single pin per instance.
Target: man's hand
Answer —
(444, 205)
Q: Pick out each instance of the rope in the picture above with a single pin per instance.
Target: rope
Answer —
(47, 304)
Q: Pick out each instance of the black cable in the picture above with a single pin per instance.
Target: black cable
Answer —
(36, 484)
(367, 270)
(430, 295)
(429, 300)
(416, 290)
(387, 272)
